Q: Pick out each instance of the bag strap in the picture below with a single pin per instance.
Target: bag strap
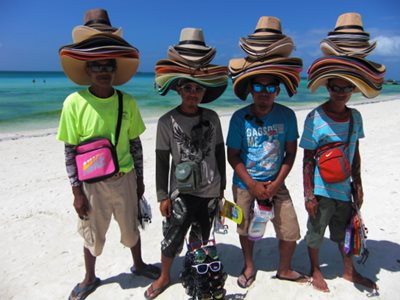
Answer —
(120, 109)
(332, 145)
(350, 128)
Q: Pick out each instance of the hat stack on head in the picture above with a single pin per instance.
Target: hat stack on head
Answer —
(268, 51)
(345, 50)
(98, 40)
(190, 60)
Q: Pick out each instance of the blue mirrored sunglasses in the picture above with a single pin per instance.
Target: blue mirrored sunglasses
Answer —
(214, 266)
(269, 88)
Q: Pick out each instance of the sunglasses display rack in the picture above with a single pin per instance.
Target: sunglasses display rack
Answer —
(203, 276)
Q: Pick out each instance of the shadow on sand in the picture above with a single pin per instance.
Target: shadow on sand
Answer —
(383, 255)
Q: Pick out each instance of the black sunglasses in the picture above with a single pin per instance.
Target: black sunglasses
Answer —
(249, 117)
(197, 89)
(344, 89)
(98, 68)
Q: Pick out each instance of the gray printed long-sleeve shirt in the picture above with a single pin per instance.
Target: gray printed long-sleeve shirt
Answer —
(175, 139)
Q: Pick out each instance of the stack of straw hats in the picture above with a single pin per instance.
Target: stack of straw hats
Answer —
(268, 51)
(190, 60)
(345, 50)
(98, 40)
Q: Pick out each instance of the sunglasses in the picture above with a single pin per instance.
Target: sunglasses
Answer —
(269, 88)
(338, 89)
(197, 89)
(98, 68)
(201, 254)
(214, 266)
(249, 117)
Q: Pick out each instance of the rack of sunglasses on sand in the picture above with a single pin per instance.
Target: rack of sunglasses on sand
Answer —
(203, 276)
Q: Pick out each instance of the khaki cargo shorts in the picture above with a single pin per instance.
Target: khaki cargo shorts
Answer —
(115, 196)
(285, 221)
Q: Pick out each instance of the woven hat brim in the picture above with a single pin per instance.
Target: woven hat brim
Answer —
(215, 86)
(360, 85)
(75, 69)
(81, 32)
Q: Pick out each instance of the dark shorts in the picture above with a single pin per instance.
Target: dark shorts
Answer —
(333, 213)
(187, 210)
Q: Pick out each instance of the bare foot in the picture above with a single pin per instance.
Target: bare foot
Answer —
(319, 282)
(357, 278)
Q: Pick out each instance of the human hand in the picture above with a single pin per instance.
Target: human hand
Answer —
(165, 207)
(311, 205)
(272, 188)
(140, 187)
(358, 195)
(259, 190)
(81, 203)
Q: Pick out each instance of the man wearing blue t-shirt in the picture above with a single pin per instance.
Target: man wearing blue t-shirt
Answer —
(262, 145)
(329, 204)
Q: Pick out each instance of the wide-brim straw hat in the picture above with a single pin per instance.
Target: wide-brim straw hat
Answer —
(347, 48)
(215, 87)
(360, 84)
(213, 77)
(74, 58)
(348, 37)
(194, 58)
(190, 60)
(267, 39)
(286, 70)
(97, 39)
(191, 48)
(283, 48)
(366, 76)
(95, 21)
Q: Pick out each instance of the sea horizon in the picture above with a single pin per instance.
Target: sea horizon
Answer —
(32, 100)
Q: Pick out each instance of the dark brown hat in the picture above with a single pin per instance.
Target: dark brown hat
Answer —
(95, 21)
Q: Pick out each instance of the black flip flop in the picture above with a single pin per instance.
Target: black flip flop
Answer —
(300, 279)
(79, 293)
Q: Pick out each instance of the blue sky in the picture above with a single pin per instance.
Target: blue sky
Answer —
(31, 32)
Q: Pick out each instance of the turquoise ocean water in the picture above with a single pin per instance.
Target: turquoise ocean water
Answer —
(33, 100)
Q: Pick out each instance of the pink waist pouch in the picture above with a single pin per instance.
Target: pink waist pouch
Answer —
(96, 160)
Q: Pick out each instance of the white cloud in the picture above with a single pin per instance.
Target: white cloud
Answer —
(387, 46)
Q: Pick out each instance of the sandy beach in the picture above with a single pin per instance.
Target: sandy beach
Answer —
(42, 256)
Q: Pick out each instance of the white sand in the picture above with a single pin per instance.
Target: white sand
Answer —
(41, 255)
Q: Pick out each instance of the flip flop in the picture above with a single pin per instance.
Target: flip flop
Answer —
(300, 279)
(153, 293)
(79, 293)
(244, 282)
(148, 271)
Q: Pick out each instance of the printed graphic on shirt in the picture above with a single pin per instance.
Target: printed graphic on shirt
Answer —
(195, 147)
(264, 157)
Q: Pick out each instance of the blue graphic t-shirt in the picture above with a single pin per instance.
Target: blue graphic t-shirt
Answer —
(261, 140)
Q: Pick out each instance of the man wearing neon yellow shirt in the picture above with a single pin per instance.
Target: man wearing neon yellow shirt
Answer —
(93, 112)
